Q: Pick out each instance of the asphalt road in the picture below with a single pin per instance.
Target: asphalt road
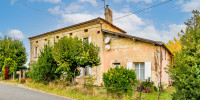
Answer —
(10, 92)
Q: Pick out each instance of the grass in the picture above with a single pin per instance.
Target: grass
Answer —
(97, 93)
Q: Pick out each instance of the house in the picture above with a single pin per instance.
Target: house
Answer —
(148, 58)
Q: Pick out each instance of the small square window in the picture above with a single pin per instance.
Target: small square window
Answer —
(57, 37)
(45, 39)
(98, 32)
(36, 41)
(116, 64)
(86, 30)
(70, 34)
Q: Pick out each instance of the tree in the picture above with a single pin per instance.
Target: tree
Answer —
(174, 45)
(185, 70)
(44, 69)
(12, 49)
(71, 53)
(120, 80)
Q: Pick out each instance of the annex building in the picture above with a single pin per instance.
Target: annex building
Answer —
(148, 58)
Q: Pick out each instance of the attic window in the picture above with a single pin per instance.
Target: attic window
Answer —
(57, 37)
(70, 34)
(98, 32)
(86, 30)
(45, 39)
(36, 41)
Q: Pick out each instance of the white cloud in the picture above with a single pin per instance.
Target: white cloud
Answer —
(189, 5)
(137, 26)
(14, 33)
(73, 7)
(49, 1)
(78, 17)
(146, 1)
(13, 1)
(55, 10)
(133, 24)
(126, 9)
(0, 33)
(93, 2)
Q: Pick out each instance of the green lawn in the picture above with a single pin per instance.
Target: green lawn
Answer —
(97, 93)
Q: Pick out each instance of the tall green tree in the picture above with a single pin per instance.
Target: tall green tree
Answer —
(185, 69)
(71, 53)
(12, 49)
(44, 69)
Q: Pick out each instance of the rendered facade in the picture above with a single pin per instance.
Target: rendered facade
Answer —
(148, 58)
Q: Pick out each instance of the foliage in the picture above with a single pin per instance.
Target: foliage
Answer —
(12, 49)
(70, 53)
(119, 80)
(147, 86)
(11, 63)
(185, 70)
(44, 69)
(174, 45)
(22, 80)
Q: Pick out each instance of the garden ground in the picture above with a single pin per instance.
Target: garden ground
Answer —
(80, 93)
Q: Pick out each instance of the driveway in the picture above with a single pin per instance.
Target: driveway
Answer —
(10, 92)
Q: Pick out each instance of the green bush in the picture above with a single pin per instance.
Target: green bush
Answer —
(44, 69)
(148, 86)
(119, 81)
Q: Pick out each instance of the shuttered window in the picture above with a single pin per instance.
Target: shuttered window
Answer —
(140, 71)
(143, 70)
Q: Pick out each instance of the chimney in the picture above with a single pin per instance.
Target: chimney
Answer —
(108, 14)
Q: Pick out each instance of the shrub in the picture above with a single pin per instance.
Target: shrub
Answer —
(22, 80)
(44, 69)
(119, 81)
(147, 86)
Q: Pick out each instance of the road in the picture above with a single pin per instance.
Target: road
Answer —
(10, 92)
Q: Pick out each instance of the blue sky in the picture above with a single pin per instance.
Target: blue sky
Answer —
(25, 18)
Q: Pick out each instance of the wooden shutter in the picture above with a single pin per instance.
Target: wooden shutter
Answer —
(147, 70)
(90, 70)
(129, 65)
(34, 51)
(89, 39)
(81, 71)
(37, 52)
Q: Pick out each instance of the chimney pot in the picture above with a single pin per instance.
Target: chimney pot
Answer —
(107, 6)
(108, 14)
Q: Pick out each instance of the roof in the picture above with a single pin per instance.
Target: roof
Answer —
(160, 43)
(96, 19)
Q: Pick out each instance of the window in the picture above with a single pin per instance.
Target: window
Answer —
(70, 34)
(140, 71)
(98, 32)
(87, 70)
(85, 39)
(89, 39)
(86, 30)
(36, 52)
(36, 41)
(45, 39)
(57, 37)
(116, 64)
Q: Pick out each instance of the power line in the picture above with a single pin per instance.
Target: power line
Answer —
(143, 9)
(36, 9)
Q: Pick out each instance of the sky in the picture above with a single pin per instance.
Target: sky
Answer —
(21, 19)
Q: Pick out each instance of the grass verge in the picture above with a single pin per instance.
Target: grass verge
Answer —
(96, 93)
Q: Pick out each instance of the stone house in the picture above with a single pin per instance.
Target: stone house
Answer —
(148, 58)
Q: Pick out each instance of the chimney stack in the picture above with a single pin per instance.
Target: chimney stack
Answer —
(108, 14)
